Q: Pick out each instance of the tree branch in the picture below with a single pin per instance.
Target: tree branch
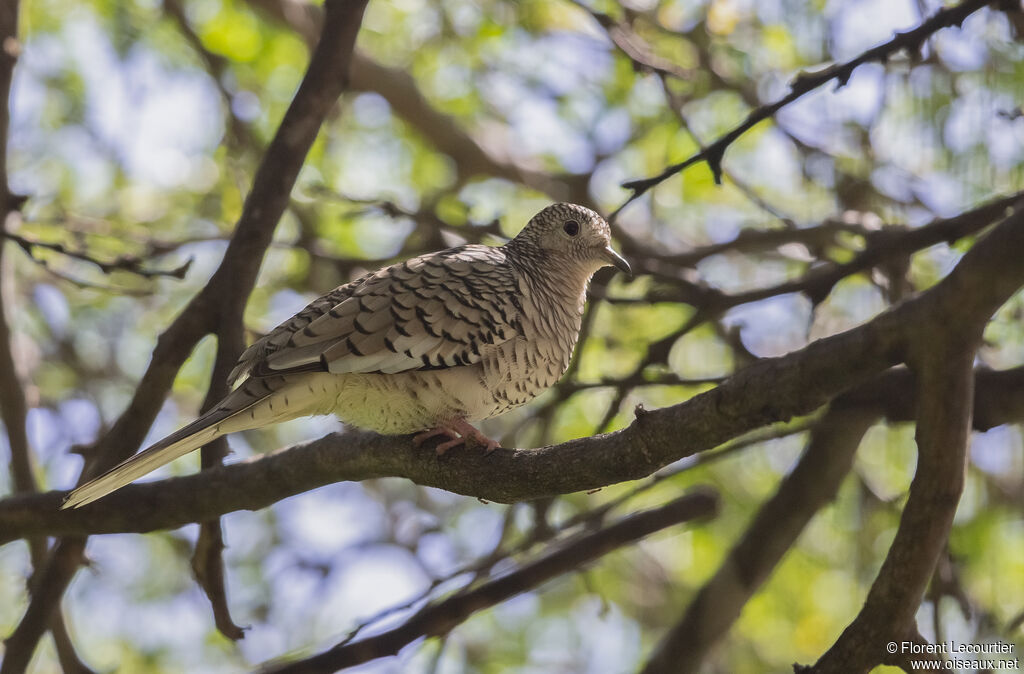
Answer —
(769, 390)
(808, 488)
(13, 404)
(804, 83)
(942, 365)
(139, 508)
(224, 296)
(440, 618)
(718, 604)
(443, 131)
(48, 585)
(633, 46)
(941, 352)
(125, 263)
(882, 246)
(13, 407)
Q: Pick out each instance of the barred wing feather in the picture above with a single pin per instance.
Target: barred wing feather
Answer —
(432, 312)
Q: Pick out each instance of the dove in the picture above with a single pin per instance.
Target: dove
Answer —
(424, 346)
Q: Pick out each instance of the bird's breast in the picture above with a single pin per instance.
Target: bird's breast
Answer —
(522, 368)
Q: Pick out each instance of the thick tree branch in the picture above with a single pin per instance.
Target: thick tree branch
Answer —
(13, 406)
(941, 353)
(356, 456)
(804, 83)
(944, 394)
(440, 618)
(9, 51)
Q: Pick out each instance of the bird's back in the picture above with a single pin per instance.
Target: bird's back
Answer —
(431, 312)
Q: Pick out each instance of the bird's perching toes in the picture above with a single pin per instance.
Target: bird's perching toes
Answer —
(460, 432)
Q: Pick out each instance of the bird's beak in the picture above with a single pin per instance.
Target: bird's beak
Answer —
(614, 258)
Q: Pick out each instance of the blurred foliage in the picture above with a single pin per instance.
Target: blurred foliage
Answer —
(122, 138)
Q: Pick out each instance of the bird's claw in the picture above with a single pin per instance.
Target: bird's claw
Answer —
(459, 432)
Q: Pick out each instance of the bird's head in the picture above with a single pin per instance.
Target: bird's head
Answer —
(571, 235)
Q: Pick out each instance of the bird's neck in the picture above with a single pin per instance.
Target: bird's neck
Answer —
(554, 284)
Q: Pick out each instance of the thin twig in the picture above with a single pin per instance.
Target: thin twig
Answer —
(804, 83)
(440, 618)
(125, 263)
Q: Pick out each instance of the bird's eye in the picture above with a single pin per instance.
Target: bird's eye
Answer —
(571, 227)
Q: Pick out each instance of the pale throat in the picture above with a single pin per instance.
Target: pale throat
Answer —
(568, 280)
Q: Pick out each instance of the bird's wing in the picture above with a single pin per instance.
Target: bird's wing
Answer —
(279, 337)
(435, 311)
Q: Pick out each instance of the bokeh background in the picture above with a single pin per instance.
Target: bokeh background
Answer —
(136, 128)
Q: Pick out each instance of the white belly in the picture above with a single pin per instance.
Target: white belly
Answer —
(411, 401)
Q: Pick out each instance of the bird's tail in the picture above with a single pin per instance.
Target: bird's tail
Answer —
(257, 402)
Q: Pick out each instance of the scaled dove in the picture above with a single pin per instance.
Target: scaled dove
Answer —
(425, 345)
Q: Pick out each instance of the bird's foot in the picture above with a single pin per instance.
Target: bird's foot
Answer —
(470, 432)
(451, 433)
(459, 431)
